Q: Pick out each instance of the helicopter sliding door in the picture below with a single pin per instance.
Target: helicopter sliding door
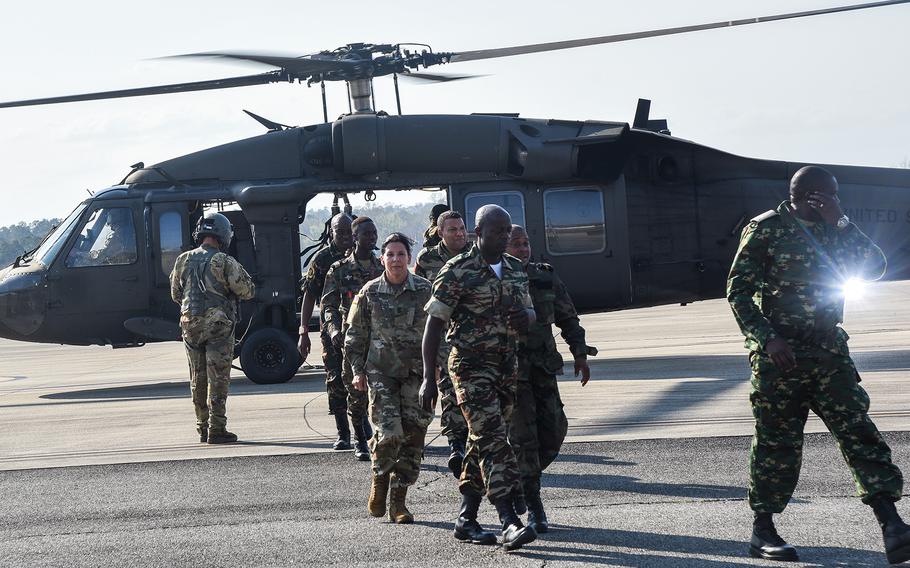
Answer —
(100, 279)
(579, 229)
(170, 227)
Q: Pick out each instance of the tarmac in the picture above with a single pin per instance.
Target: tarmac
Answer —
(100, 464)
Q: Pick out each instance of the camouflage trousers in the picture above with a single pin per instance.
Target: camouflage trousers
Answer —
(210, 350)
(451, 419)
(485, 387)
(357, 401)
(332, 359)
(827, 384)
(400, 422)
(539, 424)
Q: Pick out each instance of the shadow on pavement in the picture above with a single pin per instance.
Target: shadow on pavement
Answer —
(627, 484)
(679, 550)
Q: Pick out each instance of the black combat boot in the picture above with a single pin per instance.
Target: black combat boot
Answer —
(344, 432)
(361, 450)
(766, 543)
(203, 434)
(456, 456)
(221, 437)
(466, 526)
(514, 534)
(518, 501)
(895, 532)
(537, 517)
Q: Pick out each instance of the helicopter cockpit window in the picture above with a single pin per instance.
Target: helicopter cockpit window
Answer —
(574, 220)
(48, 250)
(107, 238)
(511, 201)
(170, 231)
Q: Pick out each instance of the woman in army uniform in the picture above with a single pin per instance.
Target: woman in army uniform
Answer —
(383, 346)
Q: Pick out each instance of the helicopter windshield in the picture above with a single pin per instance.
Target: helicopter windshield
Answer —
(52, 243)
(107, 238)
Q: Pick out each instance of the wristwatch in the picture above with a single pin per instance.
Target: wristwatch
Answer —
(843, 222)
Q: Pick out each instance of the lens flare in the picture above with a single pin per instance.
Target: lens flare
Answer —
(854, 289)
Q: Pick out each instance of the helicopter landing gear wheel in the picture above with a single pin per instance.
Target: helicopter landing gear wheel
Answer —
(269, 356)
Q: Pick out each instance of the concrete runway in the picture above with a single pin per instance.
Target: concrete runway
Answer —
(654, 474)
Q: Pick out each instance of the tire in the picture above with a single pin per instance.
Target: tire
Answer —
(269, 356)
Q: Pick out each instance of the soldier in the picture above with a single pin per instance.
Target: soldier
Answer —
(207, 283)
(539, 424)
(785, 291)
(431, 235)
(430, 261)
(484, 294)
(313, 285)
(344, 279)
(383, 348)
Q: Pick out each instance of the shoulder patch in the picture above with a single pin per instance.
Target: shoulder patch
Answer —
(765, 216)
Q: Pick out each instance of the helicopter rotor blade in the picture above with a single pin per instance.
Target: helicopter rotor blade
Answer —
(302, 67)
(437, 77)
(227, 83)
(556, 45)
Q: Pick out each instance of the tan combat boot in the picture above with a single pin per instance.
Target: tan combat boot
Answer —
(378, 491)
(398, 512)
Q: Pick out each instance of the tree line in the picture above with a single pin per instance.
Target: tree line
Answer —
(18, 238)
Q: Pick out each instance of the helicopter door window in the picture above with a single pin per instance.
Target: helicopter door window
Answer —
(511, 201)
(108, 238)
(574, 221)
(170, 231)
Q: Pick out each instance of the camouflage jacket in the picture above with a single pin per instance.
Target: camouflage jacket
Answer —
(224, 280)
(345, 278)
(385, 327)
(431, 260)
(476, 303)
(553, 306)
(787, 279)
(314, 281)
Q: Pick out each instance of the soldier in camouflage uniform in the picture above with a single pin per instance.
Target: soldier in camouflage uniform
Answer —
(484, 294)
(539, 424)
(431, 236)
(344, 279)
(207, 284)
(383, 348)
(312, 287)
(785, 288)
(429, 262)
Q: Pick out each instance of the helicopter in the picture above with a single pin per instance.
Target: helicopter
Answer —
(628, 214)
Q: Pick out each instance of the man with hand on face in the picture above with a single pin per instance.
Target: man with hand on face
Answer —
(483, 294)
(344, 279)
(785, 288)
(450, 226)
(539, 424)
(313, 286)
(382, 347)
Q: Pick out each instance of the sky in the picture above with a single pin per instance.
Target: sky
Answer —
(829, 89)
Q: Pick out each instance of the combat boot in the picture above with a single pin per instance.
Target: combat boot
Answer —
(537, 517)
(766, 543)
(221, 437)
(379, 489)
(456, 456)
(344, 432)
(203, 434)
(514, 534)
(467, 528)
(398, 512)
(895, 532)
(361, 449)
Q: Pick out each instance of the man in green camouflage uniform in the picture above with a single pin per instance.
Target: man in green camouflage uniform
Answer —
(785, 288)
(207, 283)
(430, 261)
(484, 295)
(312, 288)
(539, 424)
(344, 279)
(382, 347)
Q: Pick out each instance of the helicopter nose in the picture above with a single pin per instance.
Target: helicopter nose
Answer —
(23, 302)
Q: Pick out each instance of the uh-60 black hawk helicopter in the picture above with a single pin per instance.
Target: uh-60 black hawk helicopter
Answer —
(629, 215)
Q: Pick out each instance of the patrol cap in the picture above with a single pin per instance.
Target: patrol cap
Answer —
(215, 225)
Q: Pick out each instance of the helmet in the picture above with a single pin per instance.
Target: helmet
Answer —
(215, 225)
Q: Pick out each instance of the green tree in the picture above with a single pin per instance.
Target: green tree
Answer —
(18, 238)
